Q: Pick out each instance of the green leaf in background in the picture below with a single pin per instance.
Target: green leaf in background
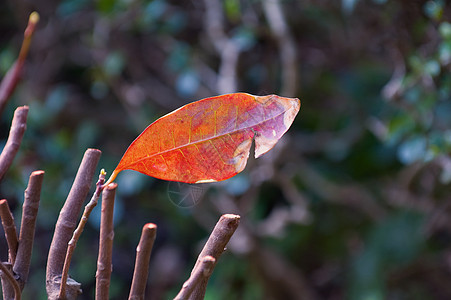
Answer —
(391, 244)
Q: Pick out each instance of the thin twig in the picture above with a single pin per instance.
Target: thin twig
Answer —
(214, 247)
(7, 289)
(18, 127)
(8, 276)
(105, 258)
(10, 230)
(203, 271)
(12, 77)
(67, 220)
(77, 233)
(141, 271)
(27, 228)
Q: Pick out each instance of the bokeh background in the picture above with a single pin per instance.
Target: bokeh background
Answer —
(352, 203)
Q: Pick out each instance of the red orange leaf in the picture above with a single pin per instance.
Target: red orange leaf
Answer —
(210, 139)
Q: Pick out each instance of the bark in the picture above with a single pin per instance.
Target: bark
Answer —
(10, 230)
(10, 287)
(203, 271)
(27, 228)
(77, 233)
(143, 251)
(18, 127)
(214, 247)
(67, 221)
(105, 258)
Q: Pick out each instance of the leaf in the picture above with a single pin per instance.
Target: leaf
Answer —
(210, 139)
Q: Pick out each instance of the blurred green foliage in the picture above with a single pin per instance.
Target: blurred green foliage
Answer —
(351, 204)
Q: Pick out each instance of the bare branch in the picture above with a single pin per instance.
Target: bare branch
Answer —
(288, 56)
(67, 220)
(9, 82)
(77, 233)
(27, 228)
(8, 279)
(214, 247)
(10, 230)
(141, 271)
(104, 261)
(203, 271)
(18, 127)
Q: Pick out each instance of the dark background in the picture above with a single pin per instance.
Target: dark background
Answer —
(352, 203)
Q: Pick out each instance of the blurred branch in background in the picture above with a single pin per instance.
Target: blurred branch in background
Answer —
(12, 77)
(287, 48)
(226, 47)
(16, 133)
